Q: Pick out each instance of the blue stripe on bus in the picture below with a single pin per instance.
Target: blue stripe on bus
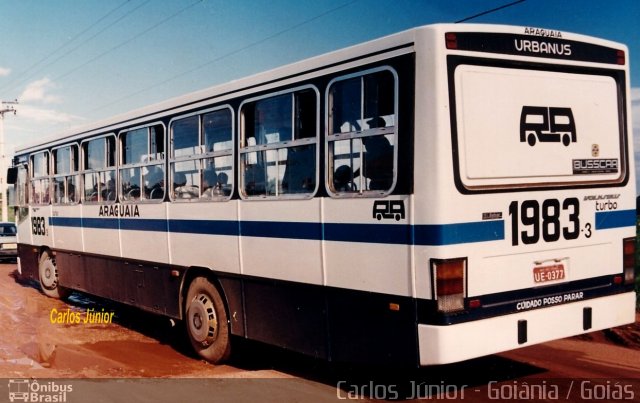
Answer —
(398, 234)
(206, 227)
(615, 219)
(449, 234)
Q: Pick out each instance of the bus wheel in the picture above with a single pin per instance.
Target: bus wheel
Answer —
(207, 321)
(48, 274)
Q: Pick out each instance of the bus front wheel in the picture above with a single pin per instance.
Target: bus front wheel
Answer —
(207, 321)
(48, 275)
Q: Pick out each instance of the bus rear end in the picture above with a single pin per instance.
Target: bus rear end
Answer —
(536, 200)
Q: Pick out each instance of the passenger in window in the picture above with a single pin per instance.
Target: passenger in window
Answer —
(181, 189)
(58, 189)
(376, 122)
(209, 182)
(71, 192)
(155, 183)
(223, 180)
(343, 179)
(131, 189)
(94, 193)
(378, 158)
(109, 190)
(254, 180)
(378, 162)
(299, 176)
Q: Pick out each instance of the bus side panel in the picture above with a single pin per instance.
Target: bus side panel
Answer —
(144, 235)
(66, 236)
(268, 229)
(287, 315)
(39, 221)
(233, 294)
(147, 285)
(99, 234)
(371, 328)
(365, 253)
(28, 261)
(204, 234)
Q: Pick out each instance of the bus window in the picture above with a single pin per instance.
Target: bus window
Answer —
(40, 178)
(99, 169)
(185, 134)
(65, 164)
(278, 145)
(22, 187)
(201, 156)
(217, 172)
(362, 137)
(141, 164)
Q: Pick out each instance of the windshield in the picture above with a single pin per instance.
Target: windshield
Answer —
(7, 229)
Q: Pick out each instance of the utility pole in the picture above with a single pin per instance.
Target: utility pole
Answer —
(7, 107)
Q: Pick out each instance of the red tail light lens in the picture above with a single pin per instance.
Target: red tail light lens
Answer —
(451, 40)
(449, 283)
(629, 260)
(622, 59)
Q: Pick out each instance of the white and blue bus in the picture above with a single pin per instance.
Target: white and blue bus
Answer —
(444, 193)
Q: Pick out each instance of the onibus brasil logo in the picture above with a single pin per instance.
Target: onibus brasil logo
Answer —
(27, 390)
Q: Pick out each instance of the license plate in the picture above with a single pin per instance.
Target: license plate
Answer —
(548, 273)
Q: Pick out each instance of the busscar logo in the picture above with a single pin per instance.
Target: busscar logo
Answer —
(595, 166)
(547, 125)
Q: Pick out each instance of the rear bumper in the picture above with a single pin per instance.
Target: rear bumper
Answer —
(453, 343)
(4, 253)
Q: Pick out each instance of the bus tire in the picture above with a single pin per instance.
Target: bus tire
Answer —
(207, 322)
(48, 276)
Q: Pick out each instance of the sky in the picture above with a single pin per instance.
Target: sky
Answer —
(72, 62)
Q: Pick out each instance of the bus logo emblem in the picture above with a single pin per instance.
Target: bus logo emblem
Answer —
(388, 209)
(547, 125)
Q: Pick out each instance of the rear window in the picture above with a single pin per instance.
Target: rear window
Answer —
(526, 128)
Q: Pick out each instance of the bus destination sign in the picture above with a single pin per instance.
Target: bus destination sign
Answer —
(536, 42)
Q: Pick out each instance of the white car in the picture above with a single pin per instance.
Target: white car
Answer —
(8, 242)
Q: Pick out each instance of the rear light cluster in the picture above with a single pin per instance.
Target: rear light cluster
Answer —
(449, 283)
(629, 260)
(451, 40)
(621, 58)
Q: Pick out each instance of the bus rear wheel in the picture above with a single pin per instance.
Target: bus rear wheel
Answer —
(207, 321)
(48, 276)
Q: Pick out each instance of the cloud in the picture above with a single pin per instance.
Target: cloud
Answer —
(4, 71)
(38, 91)
(45, 115)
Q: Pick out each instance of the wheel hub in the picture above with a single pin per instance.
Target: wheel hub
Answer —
(202, 320)
(50, 275)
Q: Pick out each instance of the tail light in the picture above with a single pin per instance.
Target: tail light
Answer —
(629, 260)
(451, 40)
(621, 57)
(449, 283)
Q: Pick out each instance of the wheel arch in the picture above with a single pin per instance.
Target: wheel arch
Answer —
(230, 289)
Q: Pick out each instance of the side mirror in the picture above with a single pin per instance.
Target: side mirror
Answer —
(12, 175)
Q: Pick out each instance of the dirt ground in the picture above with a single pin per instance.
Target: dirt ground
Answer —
(142, 345)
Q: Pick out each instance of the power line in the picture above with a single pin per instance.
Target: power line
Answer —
(99, 20)
(490, 11)
(128, 40)
(229, 54)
